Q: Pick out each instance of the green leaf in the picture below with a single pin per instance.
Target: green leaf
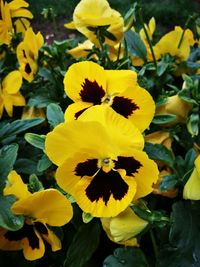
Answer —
(44, 163)
(135, 44)
(159, 152)
(193, 124)
(35, 140)
(8, 220)
(126, 257)
(168, 182)
(55, 115)
(26, 166)
(8, 155)
(18, 126)
(40, 101)
(164, 118)
(34, 184)
(83, 245)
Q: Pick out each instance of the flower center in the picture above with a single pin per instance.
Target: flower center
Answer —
(107, 99)
(106, 164)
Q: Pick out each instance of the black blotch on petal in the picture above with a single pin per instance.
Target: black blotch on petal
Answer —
(91, 92)
(129, 164)
(104, 185)
(88, 168)
(41, 228)
(25, 231)
(27, 68)
(77, 114)
(124, 106)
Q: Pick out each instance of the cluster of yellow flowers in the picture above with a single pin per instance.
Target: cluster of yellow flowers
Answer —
(99, 148)
(15, 19)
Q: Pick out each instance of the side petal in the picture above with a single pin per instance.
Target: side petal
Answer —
(47, 206)
(15, 186)
(137, 105)
(12, 82)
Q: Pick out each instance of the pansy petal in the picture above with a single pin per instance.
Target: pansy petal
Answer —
(18, 100)
(192, 187)
(47, 206)
(121, 130)
(137, 105)
(22, 12)
(16, 4)
(8, 104)
(12, 82)
(124, 226)
(85, 81)
(33, 251)
(52, 240)
(120, 80)
(15, 186)
(74, 110)
(8, 244)
(145, 176)
(97, 192)
(69, 137)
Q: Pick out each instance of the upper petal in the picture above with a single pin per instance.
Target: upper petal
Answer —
(81, 73)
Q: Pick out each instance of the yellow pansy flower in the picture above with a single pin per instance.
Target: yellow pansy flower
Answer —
(40, 209)
(192, 187)
(90, 16)
(88, 84)
(169, 44)
(123, 228)
(5, 24)
(9, 92)
(27, 54)
(104, 173)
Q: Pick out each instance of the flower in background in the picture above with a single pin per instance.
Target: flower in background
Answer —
(6, 29)
(192, 187)
(162, 138)
(102, 170)
(176, 106)
(150, 31)
(172, 44)
(82, 50)
(9, 93)
(95, 18)
(88, 84)
(41, 210)
(27, 54)
(123, 228)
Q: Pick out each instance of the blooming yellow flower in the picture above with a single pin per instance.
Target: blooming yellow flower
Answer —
(124, 227)
(102, 171)
(90, 16)
(88, 84)
(40, 209)
(192, 187)
(169, 44)
(5, 24)
(27, 54)
(9, 92)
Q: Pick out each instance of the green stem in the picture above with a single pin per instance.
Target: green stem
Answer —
(153, 240)
(99, 37)
(184, 29)
(147, 37)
